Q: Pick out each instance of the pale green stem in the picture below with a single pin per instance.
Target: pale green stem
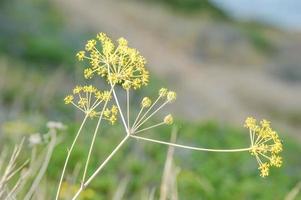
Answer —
(78, 107)
(128, 107)
(141, 123)
(120, 111)
(94, 137)
(117, 102)
(141, 110)
(267, 157)
(150, 127)
(84, 185)
(135, 124)
(189, 147)
(251, 137)
(263, 140)
(68, 156)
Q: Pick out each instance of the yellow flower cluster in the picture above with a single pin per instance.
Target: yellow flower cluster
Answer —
(111, 114)
(146, 102)
(119, 65)
(168, 119)
(149, 109)
(87, 98)
(265, 145)
(170, 95)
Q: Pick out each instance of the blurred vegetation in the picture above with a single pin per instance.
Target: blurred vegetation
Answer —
(202, 175)
(34, 31)
(194, 6)
(34, 41)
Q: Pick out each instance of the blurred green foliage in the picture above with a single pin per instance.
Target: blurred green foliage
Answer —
(194, 6)
(34, 31)
(202, 175)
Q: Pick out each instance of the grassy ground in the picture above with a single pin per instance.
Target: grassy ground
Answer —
(201, 175)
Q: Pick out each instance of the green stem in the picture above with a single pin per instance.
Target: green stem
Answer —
(189, 147)
(94, 137)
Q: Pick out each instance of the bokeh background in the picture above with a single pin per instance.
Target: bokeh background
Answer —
(226, 60)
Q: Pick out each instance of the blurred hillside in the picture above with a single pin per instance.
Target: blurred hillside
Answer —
(223, 69)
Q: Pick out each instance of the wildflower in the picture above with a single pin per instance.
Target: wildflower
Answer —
(87, 98)
(111, 114)
(122, 42)
(90, 45)
(114, 110)
(126, 85)
(171, 96)
(250, 123)
(68, 99)
(163, 92)
(168, 119)
(276, 161)
(265, 145)
(106, 95)
(88, 73)
(146, 102)
(119, 65)
(264, 169)
(80, 55)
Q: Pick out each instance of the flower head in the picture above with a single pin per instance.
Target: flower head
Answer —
(118, 64)
(168, 119)
(87, 98)
(265, 145)
(171, 96)
(146, 102)
(163, 92)
(111, 114)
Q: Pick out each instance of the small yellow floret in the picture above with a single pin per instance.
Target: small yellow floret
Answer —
(77, 89)
(162, 92)
(146, 102)
(119, 65)
(171, 96)
(68, 99)
(264, 169)
(250, 123)
(80, 55)
(276, 161)
(90, 45)
(106, 95)
(122, 42)
(168, 119)
(265, 145)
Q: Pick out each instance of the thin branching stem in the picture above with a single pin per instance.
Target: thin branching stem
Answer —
(84, 185)
(141, 110)
(189, 147)
(150, 127)
(94, 137)
(68, 155)
(128, 107)
(147, 111)
(120, 111)
(141, 123)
